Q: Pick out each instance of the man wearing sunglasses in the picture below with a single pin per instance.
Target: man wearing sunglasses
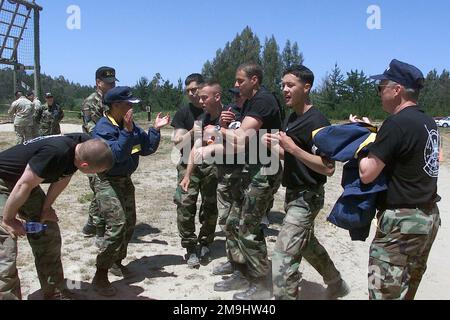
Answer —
(204, 176)
(407, 150)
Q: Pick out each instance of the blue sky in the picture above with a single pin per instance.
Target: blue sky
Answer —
(175, 38)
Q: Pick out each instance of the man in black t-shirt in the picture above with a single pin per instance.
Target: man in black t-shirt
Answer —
(202, 178)
(260, 114)
(210, 99)
(304, 177)
(407, 150)
(23, 168)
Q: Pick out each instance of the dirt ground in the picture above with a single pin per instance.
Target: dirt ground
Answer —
(156, 257)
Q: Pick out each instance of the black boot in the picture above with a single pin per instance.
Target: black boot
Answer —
(192, 259)
(205, 255)
(337, 290)
(236, 281)
(101, 284)
(61, 294)
(223, 269)
(258, 290)
(89, 230)
(119, 270)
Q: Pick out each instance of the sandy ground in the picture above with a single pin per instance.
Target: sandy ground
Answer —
(156, 257)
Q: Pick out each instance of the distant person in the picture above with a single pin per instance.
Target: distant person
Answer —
(52, 114)
(92, 111)
(37, 107)
(22, 112)
(203, 175)
(114, 189)
(407, 151)
(51, 160)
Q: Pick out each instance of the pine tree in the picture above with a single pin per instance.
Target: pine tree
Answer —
(271, 63)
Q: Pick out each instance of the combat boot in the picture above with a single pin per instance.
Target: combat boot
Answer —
(192, 259)
(89, 231)
(337, 290)
(101, 284)
(258, 290)
(119, 270)
(63, 294)
(236, 281)
(205, 255)
(223, 269)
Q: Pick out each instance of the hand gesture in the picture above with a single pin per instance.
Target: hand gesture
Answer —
(355, 119)
(128, 121)
(161, 122)
(226, 118)
(270, 139)
(14, 227)
(287, 143)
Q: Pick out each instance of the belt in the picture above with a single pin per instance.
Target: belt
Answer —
(421, 206)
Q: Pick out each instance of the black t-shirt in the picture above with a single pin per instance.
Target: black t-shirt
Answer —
(186, 116)
(262, 106)
(185, 119)
(51, 158)
(236, 110)
(207, 121)
(300, 129)
(408, 143)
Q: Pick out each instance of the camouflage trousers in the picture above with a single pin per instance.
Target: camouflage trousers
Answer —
(296, 240)
(230, 196)
(400, 250)
(203, 181)
(46, 248)
(116, 202)
(24, 133)
(36, 130)
(95, 219)
(248, 246)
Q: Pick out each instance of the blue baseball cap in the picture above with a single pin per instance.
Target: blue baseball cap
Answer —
(402, 73)
(119, 94)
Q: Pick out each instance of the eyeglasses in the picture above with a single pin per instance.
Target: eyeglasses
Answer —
(380, 87)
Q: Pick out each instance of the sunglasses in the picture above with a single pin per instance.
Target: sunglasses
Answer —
(380, 87)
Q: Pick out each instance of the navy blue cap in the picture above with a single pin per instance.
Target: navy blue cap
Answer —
(234, 91)
(402, 73)
(119, 94)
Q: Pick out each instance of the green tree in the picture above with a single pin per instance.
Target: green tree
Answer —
(244, 48)
(271, 63)
(291, 55)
